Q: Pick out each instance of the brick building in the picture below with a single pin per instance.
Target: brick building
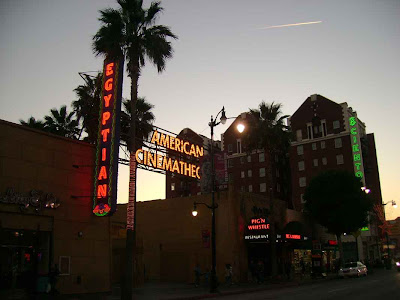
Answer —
(328, 135)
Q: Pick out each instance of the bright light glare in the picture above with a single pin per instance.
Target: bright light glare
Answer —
(194, 213)
(240, 128)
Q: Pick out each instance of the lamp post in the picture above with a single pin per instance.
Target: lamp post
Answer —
(389, 265)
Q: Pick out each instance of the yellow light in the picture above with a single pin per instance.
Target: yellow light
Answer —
(194, 213)
(240, 127)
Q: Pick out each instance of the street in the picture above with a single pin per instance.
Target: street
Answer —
(383, 284)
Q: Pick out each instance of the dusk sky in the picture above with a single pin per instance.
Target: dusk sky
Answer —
(230, 53)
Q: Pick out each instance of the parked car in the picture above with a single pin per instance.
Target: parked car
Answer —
(353, 269)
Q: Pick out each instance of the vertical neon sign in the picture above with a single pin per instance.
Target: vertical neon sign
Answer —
(356, 148)
(106, 170)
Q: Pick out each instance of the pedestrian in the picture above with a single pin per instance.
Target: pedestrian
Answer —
(197, 275)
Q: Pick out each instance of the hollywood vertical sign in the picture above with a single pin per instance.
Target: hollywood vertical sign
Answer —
(106, 170)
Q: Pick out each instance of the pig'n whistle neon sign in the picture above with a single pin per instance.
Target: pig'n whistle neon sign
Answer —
(106, 170)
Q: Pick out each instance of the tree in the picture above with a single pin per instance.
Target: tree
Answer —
(144, 119)
(335, 200)
(33, 123)
(62, 123)
(129, 32)
(268, 132)
(88, 105)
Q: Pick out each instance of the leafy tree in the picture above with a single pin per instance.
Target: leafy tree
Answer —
(33, 123)
(87, 105)
(144, 121)
(335, 200)
(62, 123)
(268, 132)
(130, 32)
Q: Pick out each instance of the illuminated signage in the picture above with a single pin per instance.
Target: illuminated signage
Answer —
(364, 229)
(256, 237)
(356, 148)
(332, 243)
(293, 236)
(106, 171)
(163, 162)
(258, 224)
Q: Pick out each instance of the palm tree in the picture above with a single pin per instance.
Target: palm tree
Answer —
(88, 104)
(268, 132)
(62, 123)
(33, 123)
(130, 33)
(144, 119)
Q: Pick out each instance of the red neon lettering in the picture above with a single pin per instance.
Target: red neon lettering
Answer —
(102, 173)
(101, 190)
(107, 100)
(293, 236)
(258, 221)
(109, 69)
(106, 116)
(103, 154)
(104, 134)
(108, 85)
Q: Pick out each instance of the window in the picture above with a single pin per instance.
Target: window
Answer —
(261, 157)
(300, 150)
(309, 131)
(249, 158)
(315, 129)
(278, 187)
(173, 186)
(323, 145)
(262, 172)
(302, 181)
(249, 173)
(323, 128)
(314, 146)
(301, 165)
(277, 173)
(315, 162)
(338, 143)
(324, 161)
(242, 174)
(263, 187)
(230, 163)
(336, 124)
(339, 159)
(239, 145)
(230, 148)
(299, 135)
(242, 160)
(250, 188)
(302, 198)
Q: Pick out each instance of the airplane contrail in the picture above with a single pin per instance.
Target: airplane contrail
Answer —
(290, 25)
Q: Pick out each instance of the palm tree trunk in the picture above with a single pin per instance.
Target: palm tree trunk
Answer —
(131, 209)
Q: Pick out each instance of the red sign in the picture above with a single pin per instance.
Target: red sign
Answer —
(293, 236)
(106, 171)
(332, 243)
(258, 224)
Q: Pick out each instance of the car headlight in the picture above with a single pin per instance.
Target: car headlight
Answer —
(341, 270)
(398, 263)
(358, 271)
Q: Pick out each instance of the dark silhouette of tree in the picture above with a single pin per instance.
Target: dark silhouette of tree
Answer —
(62, 123)
(87, 106)
(268, 132)
(144, 121)
(130, 32)
(33, 123)
(335, 200)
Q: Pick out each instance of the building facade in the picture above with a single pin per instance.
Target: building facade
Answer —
(327, 136)
(46, 219)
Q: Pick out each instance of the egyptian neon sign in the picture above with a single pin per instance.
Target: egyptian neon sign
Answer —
(163, 162)
(258, 224)
(356, 148)
(293, 236)
(106, 170)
